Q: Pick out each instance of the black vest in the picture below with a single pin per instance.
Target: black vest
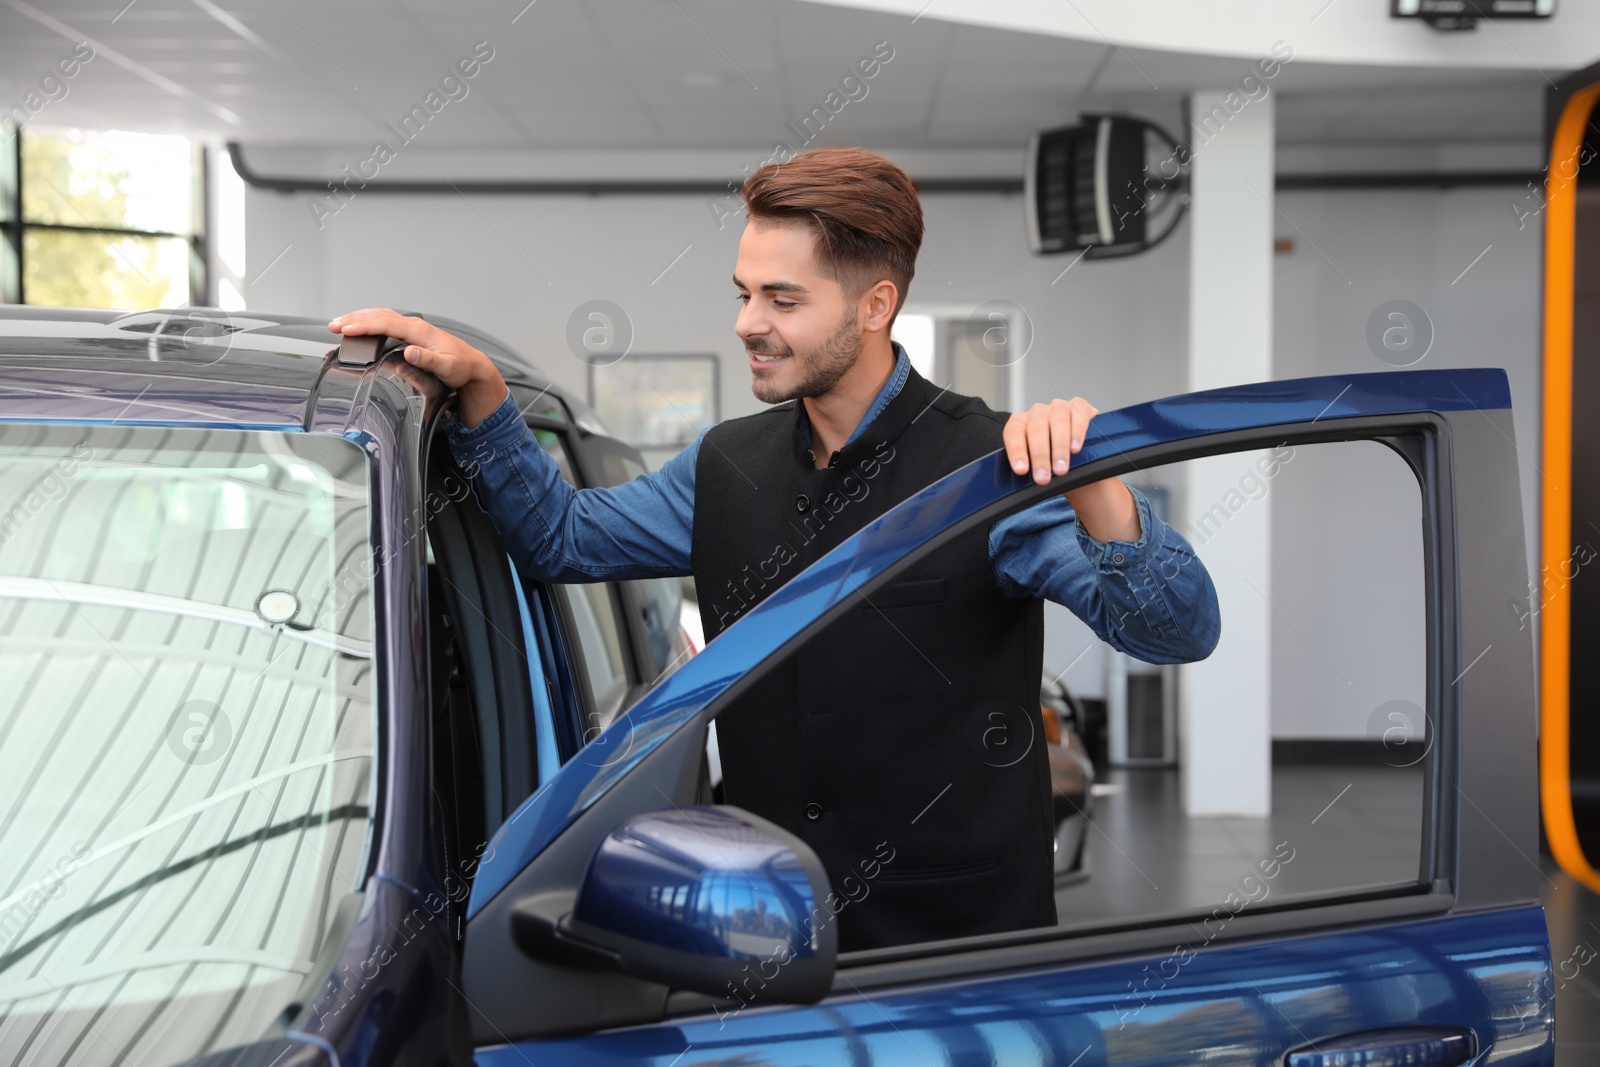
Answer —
(904, 743)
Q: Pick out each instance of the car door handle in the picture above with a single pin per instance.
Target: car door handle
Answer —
(1411, 1046)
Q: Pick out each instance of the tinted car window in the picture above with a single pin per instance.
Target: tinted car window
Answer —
(185, 731)
(550, 441)
(663, 601)
(597, 628)
(616, 468)
(600, 647)
(660, 600)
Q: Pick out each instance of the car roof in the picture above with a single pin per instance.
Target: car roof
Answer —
(230, 367)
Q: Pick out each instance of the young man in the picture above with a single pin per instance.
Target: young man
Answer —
(900, 743)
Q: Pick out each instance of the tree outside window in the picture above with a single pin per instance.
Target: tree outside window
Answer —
(104, 219)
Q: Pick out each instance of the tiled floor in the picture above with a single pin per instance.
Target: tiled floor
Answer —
(1347, 825)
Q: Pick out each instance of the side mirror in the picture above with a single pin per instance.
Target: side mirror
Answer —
(713, 900)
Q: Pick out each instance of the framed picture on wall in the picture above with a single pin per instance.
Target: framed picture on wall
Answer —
(658, 403)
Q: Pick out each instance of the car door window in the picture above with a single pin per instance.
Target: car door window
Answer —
(596, 627)
(1302, 745)
(556, 449)
(660, 608)
(651, 606)
(1317, 689)
(598, 642)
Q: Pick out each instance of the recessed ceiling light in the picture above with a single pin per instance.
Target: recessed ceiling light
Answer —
(702, 79)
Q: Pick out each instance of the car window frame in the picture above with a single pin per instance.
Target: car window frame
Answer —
(484, 663)
(549, 616)
(583, 710)
(1429, 894)
(641, 785)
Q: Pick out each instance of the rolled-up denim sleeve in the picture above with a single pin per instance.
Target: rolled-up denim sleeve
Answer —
(1151, 598)
(639, 529)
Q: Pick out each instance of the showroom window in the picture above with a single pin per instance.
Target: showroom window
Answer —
(106, 219)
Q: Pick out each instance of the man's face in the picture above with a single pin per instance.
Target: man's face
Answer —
(798, 328)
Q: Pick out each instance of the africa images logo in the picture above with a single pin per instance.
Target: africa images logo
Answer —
(199, 732)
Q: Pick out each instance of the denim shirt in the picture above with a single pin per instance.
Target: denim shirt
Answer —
(1151, 598)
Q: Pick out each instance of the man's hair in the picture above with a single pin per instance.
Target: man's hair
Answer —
(862, 209)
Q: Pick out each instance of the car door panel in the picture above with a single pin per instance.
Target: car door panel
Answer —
(1419, 955)
(1244, 1003)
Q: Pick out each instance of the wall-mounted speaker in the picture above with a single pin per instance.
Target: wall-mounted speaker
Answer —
(1112, 185)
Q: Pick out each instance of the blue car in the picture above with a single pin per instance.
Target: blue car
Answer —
(296, 769)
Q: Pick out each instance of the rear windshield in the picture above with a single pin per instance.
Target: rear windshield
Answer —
(186, 731)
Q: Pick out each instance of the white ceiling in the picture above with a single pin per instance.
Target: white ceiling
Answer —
(1324, 31)
(670, 74)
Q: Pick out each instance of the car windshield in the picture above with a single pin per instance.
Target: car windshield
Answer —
(186, 731)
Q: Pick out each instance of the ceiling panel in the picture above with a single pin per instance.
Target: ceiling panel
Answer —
(669, 74)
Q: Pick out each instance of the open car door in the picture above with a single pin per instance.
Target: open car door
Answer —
(620, 917)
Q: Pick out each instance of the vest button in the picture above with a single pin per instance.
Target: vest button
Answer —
(813, 810)
(802, 503)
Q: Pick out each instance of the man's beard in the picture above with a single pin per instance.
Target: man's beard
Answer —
(821, 369)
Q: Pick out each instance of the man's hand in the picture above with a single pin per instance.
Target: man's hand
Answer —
(457, 364)
(1044, 438)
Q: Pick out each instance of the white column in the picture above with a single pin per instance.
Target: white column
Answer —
(1225, 749)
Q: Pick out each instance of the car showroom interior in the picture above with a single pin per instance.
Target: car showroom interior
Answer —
(695, 532)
